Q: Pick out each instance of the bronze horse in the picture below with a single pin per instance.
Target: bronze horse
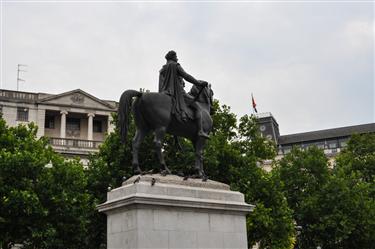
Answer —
(152, 113)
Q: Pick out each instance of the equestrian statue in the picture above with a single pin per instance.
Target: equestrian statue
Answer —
(171, 111)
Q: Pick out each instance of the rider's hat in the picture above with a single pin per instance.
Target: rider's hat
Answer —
(170, 55)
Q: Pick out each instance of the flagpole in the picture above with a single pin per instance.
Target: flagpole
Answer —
(252, 103)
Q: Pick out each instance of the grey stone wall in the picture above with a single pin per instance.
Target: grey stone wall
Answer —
(173, 213)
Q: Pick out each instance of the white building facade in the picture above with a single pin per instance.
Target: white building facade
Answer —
(75, 122)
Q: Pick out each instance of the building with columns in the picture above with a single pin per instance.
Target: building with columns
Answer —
(75, 122)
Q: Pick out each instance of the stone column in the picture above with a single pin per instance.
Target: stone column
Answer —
(153, 211)
(41, 122)
(90, 126)
(63, 124)
(110, 126)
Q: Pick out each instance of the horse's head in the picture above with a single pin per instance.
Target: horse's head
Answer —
(204, 95)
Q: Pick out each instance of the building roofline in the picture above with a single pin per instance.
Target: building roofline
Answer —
(76, 91)
(38, 98)
(327, 133)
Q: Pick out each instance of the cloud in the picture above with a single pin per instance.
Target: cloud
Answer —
(310, 64)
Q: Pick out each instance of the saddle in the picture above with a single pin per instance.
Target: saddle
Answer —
(189, 101)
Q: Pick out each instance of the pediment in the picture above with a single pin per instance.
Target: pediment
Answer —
(77, 98)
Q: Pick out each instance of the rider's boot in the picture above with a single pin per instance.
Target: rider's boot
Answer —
(201, 133)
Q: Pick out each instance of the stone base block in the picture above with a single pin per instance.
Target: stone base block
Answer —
(153, 211)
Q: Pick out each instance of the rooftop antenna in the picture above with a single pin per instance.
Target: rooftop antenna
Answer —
(19, 69)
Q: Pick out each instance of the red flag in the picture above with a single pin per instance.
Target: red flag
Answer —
(254, 104)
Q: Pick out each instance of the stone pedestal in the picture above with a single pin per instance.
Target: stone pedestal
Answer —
(153, 211)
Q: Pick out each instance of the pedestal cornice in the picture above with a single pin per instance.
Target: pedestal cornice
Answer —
(173, 191)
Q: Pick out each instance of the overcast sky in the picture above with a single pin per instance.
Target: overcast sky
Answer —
(311, 64)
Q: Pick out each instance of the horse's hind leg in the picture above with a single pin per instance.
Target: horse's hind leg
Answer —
(159, 137)
(137, 140)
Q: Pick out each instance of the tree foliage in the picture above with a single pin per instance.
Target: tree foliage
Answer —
(271, 223)
(49, 202)
(335, 207)
(43, 198)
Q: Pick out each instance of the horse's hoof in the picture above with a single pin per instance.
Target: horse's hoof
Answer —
(204, 178)
(165, 171)
(185, 178)
(138, 172)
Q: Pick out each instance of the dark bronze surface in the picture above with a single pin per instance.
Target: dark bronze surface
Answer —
(172, 111)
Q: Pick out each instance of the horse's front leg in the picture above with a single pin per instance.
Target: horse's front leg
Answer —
(199, 145)
(159, 137)
(137, 140)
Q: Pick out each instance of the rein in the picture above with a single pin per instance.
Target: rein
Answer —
(196, 97)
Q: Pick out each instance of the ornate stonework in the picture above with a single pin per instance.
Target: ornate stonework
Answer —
(77, 98)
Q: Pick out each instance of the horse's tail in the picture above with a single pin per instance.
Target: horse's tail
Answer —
(124, 112)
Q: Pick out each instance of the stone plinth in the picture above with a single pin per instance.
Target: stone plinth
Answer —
(154, 211)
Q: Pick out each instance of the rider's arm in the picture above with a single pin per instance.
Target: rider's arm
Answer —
(187, 76)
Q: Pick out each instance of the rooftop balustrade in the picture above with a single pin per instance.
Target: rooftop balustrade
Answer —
(67, 144)
(15, 95)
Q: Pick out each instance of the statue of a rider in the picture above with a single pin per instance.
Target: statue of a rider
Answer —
(171, 83)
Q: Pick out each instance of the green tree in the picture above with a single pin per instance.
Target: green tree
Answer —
(346, 212)
(359, 158)
(220, 155)
(43, 200)
(302, 174)
(353, 191)
(335, 207)
(271, 223)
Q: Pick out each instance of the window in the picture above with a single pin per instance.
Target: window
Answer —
(49, 122)
(320, 145)
(73, 124)
(332, 144)
(305, 145)
(22, 114)
(343, 142)
(97, 126)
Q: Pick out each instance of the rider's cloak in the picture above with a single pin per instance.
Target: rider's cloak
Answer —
(171, 83)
